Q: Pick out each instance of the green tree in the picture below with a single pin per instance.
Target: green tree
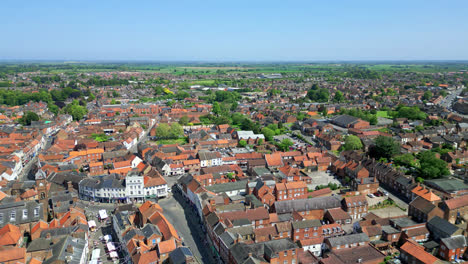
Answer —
(76, 110)
(338, 97)
(268, 133)
(385, 147)
(242, 143)
(181, 95)
(184, 120)
(285, 144)
(216, 108)
(162, 131)
(431, 166)
(28, 118)
(176, 130)
(234, 106)
(352, 143)
(405, 159)
(260, 141)
(427, 95)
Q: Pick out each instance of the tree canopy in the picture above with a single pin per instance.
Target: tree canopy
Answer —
(352, 142)
(385, 147)
(27, 118)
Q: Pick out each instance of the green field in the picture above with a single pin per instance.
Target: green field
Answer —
(383, 114)
(180, 141)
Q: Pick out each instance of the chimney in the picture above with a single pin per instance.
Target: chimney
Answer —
(70, 249)
(362, 180)
(69, 185)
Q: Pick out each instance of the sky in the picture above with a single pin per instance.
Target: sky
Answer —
(234, 30)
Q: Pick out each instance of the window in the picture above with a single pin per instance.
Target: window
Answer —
(1, 218)
(154, 241)
(13, 216)
(285, 253)
(25, 213)
(306, 229)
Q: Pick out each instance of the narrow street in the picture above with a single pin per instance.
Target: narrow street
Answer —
(187, 224)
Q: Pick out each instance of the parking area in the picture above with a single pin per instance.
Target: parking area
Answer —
(375, 200)
(321, 178)
(391, 211)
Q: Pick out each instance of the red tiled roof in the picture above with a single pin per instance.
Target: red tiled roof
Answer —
(418, 252)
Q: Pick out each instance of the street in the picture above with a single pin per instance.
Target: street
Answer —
(396, 199)
(187, 223)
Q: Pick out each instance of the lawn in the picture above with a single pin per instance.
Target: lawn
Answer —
(382, 114)
(179, 141)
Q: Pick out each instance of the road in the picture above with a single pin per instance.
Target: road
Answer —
(397, 200)
(188, 225)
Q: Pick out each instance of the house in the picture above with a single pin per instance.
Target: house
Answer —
(337, 215)
(452, 248)
(346, 241)
(355, 206)
(454, 208)
(209, 159)
(291, 190)
(10, 235)
(441, 228)
(314, 245)
(306, 229)
(411, 252)
(347, 121)
(422, 210)
(274, 251)
(364, 254)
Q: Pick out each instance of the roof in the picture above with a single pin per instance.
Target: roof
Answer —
(425, 193)
(418, 252)
(454, 242)
(457, 202)
(300, 205)
(9, 235)
(447, 185)
(363, 254)
(348, 239)
(338, 214)
(306, 224)
(442, 227)
(423, 205)
(166, 246)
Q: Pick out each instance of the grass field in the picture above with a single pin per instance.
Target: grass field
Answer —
(179, 141)
(382, 114)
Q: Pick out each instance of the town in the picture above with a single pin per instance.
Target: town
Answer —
(275, 163)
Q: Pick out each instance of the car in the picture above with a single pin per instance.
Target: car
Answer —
(371, 195)
(385, 193)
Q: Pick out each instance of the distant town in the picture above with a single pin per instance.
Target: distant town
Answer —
(242, 163)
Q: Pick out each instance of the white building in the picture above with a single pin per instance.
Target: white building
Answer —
(210, 159)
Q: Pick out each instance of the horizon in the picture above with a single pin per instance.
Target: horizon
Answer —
(241, 31)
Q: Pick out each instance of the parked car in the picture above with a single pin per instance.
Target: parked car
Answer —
(371, 195)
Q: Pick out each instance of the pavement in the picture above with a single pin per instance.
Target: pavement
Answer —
(96, 237)
(391, 211)
(188, 225)
(321, 178)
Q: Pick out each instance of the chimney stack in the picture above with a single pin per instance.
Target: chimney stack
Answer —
(70, 249)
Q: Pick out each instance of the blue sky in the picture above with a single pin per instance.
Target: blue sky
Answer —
(224, 30)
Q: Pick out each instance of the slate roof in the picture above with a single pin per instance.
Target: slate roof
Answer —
(441, 227)
(454, 242)
(300, 205)
(306, 224)
(348, 239)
